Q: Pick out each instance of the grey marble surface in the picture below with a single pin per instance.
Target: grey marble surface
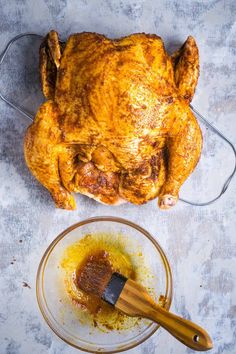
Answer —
(199, 241)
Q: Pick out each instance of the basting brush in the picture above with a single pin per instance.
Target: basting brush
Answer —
(96, 277)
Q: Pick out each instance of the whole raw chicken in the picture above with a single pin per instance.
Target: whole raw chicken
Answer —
(116, 125)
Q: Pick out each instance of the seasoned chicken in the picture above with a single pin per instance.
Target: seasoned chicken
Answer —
(116, 125)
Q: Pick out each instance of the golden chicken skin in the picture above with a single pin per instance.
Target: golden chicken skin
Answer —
(116, 125)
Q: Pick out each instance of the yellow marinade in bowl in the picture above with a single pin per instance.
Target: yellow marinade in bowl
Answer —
(85, 321)
(99, 313)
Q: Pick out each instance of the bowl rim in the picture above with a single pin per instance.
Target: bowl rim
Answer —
(43, 261)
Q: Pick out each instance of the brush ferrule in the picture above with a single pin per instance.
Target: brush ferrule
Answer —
(114, 288)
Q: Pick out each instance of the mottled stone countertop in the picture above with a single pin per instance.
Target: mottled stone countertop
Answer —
(199, 241)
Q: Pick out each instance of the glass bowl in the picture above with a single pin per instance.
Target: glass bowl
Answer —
(60, 315)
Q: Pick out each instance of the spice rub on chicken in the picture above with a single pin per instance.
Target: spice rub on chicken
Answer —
(116, 125)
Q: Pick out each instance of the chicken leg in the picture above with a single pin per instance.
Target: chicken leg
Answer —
(184, 151)
(42, 149)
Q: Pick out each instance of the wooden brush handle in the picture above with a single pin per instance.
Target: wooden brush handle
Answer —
(135, 301)
(184, 330)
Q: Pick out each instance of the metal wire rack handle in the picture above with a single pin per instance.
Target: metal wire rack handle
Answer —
(203, 119)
